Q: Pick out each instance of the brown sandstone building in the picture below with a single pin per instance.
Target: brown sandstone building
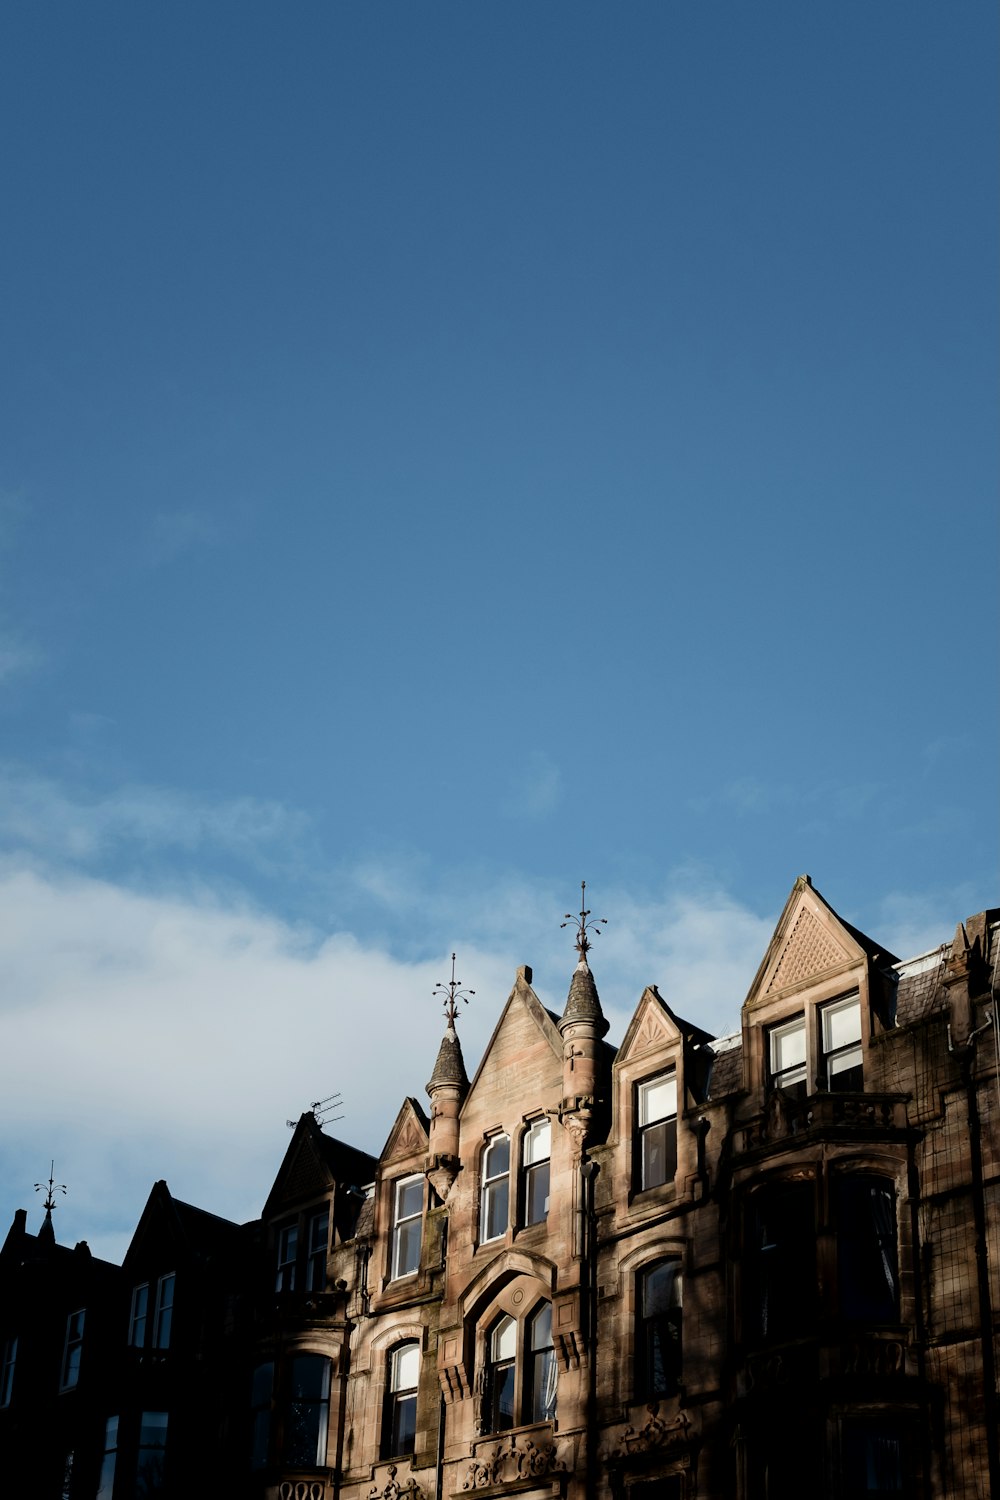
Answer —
(750, 1268)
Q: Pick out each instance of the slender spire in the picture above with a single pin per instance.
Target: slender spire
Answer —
(450, 1065)
(583, 1002)
(50, 1188)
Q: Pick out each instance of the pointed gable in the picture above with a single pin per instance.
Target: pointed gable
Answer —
(810, 944)
(652, 1027)
(409, 1135)
(525, 1029)
(304, 1172)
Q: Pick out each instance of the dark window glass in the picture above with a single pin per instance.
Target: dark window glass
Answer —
(658, 1131)
(535, 1153)
(400, 1429)
(107, 1480)
(873, 1458)
(139, 1316)
(542, 1371)
(867, 1272)
(151, 1457)
(318, 1234)
(261, 1392)
(779, 1265)
(496, 1189)
(288, 1249)
(307, 1412)
(501, 1375)
(73, 1350)
(658, 1342)
(7, 1371)
(164, 1311)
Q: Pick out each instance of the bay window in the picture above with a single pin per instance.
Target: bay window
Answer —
(521, 1373)
(307, 1412)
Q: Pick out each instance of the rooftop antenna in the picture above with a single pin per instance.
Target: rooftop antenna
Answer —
(583, 943)
(323, 1111)
(452, 992)
(50, 1188)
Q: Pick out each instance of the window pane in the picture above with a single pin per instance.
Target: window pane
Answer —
(788, 1046)
(659, 1153)
(873, 1461)
(658, 1344)
(306, 1420)
(404, 1426)
(866, 1249)
(504, 1341)
(537, 1142)
(495, 1210)
(780, 1263)
(409, 1198)
(260, 1401)
(406, 1367)
(536, 1194)
(407, 1247)
(137, 1322)
(497, 1158)
(841, 1024)
(658, 1099)
(164, 1311)
(502, 1403)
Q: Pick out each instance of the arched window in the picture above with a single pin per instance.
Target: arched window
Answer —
(399, 1426)
(307, 1412)
(535, 1152)
(496, 1189)
(521, 1371)
(658, 1334)
(541, 1371)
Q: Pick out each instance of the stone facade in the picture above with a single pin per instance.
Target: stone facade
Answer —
(688, 1268)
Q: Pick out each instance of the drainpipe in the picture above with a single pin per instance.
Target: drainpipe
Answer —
(588, 1171)
(982, 1268)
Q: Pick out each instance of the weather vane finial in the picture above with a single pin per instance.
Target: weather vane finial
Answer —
(50, 1188)
(583, 943)
(452, 992)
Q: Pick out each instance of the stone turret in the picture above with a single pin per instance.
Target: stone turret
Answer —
(447, 1088)
(582, 1027)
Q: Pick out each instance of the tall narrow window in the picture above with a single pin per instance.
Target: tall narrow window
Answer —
(261, 1393)
(658, 1336)
(658, 1130)
(874, 1461)
(288, 1250)
(496, 1189)
(318, 1235)
(535, 1152)
(779, 1268)
(843, 1060)
(72, 1350)
(8, 1360)
(542, 1371)
(152, 1454)
(106, 1483)
(501, 1375)
(787, 1045)
(139, 1316)
(399, 1429)
(867, 1268)
(308, 1412)
(407, 1226)
(164, 1317)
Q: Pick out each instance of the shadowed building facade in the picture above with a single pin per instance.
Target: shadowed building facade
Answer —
(689, 1268)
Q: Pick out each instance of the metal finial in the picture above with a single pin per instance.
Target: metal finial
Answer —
(582, 925)
(452, 992)
(50, 1188)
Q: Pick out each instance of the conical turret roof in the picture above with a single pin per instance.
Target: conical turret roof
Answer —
(450, 1065)
(583, 1002)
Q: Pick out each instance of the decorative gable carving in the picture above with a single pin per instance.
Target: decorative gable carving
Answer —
(651, 1028)
(811, 949)
(408, 1136)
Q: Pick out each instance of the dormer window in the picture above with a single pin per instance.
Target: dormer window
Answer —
(787, 1050)
(840, 1022)
(407, 1226)
(657, 1130)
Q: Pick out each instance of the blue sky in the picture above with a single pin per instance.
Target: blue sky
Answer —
(448, 451)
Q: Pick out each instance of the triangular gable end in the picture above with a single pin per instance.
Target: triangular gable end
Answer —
(653, 1027)
(303, 1173)
(408, 1136)
(523, 994)
(810, 943)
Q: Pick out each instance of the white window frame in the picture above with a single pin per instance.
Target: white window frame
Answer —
(829, 1054)
(317, 1248)
(777, 1078)
(492, 1187)
(650, 1116)
(286, 1273)
(534, 1164)
(400, 1221)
